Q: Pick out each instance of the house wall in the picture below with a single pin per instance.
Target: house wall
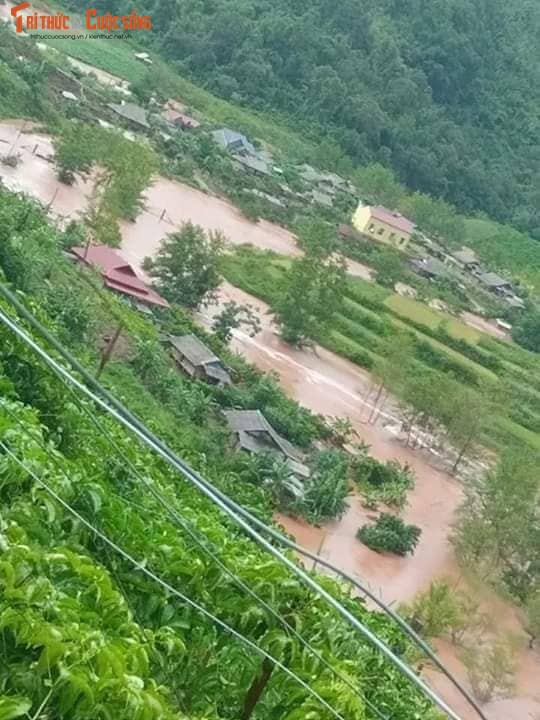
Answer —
(379, 231)
(184, 362)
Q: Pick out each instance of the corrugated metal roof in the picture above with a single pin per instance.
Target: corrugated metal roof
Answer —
(193, 349)
(253, 163)
(132, 112)
(400, 222)
(216, 371)
(465, 256)
(226, 137)
(117, 273)
(493, 280)
(176, 117)
(253, 421)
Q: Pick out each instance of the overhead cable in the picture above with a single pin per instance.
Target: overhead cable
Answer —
(141, 567)
(117, 410)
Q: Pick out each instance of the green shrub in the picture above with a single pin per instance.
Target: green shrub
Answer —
(327, 489)
(390, 534)
(387, 483)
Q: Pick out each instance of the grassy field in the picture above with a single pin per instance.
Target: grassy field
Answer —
(371, 317)
(419, 312)
(437, 345)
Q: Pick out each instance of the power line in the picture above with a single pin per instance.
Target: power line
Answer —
(193, 533)
(117, 410)
(140, 566)
(405, 627)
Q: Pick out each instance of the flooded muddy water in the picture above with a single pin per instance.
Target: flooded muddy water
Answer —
(168, 203)
(35, 174)
(331, 385)
(320, 380)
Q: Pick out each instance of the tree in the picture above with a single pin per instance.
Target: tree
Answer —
(465, 413)
(498, 527)
(393, 367)
(74, 151)
(441, 610)
(315, 286)
(490, 669)
(526, 331)
(380, 184)
(434, 216)
(327, 489)
(422, 399)
(233, 316)
(186, 267)
(390, 534)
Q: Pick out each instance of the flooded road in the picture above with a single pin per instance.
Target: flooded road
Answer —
(168, 203)
(320, 380)
(331, 385)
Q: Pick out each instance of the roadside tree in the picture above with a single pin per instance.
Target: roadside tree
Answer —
(186, 267)
(233, 316)
(315, 288)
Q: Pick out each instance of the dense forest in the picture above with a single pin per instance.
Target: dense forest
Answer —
(445, 93)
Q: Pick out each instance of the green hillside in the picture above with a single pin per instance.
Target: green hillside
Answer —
(411, 84)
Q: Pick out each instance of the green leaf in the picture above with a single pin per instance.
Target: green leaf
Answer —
(13, 707)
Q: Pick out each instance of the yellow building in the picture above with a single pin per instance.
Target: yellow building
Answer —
(383, 225)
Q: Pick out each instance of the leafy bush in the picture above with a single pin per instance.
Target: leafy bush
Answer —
(327, 489)
(390, 534)
(441, 610)
(387, 482)
(490, 670)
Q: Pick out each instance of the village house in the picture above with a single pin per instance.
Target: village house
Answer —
(198, 361)
(134, 115)
(466, 259)
(383, 225)
(253, 163)
(118, 275)
(254, 434)
(179, 120)
(430, 268)
(234, 142)
(321, 198)
(496, 284)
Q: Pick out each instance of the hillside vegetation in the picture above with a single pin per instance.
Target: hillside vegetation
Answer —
(85, 634)
(446, 93)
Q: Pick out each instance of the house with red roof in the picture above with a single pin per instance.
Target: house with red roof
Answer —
(384, 226)
(117, 274)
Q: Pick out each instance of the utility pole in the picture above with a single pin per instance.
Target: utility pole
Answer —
(319, 550)
(108, 351)
(257, 688)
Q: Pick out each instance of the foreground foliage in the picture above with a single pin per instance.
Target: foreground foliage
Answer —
(85, 635)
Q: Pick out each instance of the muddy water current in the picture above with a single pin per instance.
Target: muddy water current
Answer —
(318, 379)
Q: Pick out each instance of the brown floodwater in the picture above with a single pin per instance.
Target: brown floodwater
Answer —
(331, 385)
(321, 381)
